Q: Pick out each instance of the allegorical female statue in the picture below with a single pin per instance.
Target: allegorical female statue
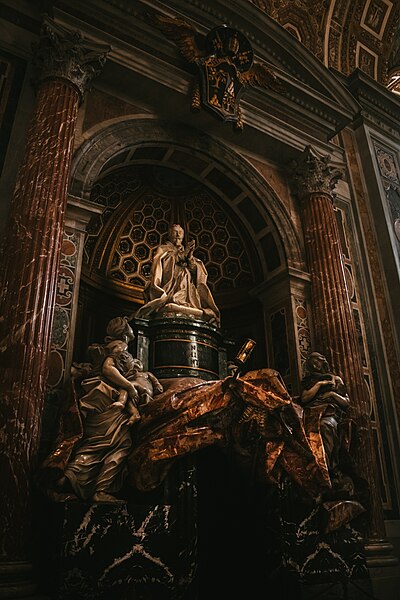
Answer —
(90, 459)
(324, 396)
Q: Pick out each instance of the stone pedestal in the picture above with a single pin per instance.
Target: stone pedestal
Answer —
(179, 347)
(110, 550)
(320, 564)
(140, 549)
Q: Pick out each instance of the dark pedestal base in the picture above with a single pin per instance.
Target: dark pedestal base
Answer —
(142, 548)
(179, 347)
(123, 551)
(288, 585)
(316, 564)
(17, 581)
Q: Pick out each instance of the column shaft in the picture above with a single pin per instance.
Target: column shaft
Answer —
(335, 334)
(31, 255)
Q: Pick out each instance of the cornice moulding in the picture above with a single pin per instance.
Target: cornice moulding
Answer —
(376, 101)
(147, 53)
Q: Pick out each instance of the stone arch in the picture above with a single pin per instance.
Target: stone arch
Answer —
(269, 307)
(203, 158)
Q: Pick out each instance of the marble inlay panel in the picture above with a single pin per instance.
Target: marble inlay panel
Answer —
(110, 549)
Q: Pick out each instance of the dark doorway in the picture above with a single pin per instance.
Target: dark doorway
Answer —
(238, 529)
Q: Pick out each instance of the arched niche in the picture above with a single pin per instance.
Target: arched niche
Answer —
(143, 163)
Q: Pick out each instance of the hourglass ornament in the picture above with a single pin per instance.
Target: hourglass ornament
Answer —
(243, 355)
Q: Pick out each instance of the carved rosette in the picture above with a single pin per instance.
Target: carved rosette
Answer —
(312, 174)
(64, 54)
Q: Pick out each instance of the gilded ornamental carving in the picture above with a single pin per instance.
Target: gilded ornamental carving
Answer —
(224, 63)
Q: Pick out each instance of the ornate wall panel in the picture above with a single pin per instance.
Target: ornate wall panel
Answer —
(375, 16)
(287, 337)
(62, 332)
(303, 334)
(64, 305)
(388, 164)
(353, 280)
(367, 60)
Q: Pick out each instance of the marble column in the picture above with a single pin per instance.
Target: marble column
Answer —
(66, 64)
(334, 328)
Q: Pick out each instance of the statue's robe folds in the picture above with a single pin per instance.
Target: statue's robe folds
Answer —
(175, 287)
(93, 442)
(253, 417)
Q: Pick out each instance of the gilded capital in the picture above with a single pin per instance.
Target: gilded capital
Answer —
(65, 54)
(312, 173)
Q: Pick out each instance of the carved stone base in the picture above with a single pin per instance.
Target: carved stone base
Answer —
(380, 553)
(141, 548)
(109, 548)
(175, 346)
(313, 554)
(384, 569)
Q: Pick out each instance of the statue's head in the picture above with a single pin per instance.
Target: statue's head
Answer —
(137, 364)
(176, 233)
(119, 329)
(317, 363)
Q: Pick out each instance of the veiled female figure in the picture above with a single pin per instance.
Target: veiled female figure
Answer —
(97, 467)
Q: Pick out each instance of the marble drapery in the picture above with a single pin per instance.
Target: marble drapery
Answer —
(178, 283)
(252, 417)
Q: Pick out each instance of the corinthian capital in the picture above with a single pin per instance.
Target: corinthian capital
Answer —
(312, 173)
(65, 54)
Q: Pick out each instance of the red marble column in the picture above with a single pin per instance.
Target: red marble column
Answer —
(335, 333)
(29, 276)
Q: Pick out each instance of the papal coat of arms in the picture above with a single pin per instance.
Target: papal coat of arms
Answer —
(225, 65)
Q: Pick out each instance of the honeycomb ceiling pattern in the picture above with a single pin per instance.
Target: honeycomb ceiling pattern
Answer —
(139, 203)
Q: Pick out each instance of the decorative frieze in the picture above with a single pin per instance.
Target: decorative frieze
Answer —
(387, 164)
